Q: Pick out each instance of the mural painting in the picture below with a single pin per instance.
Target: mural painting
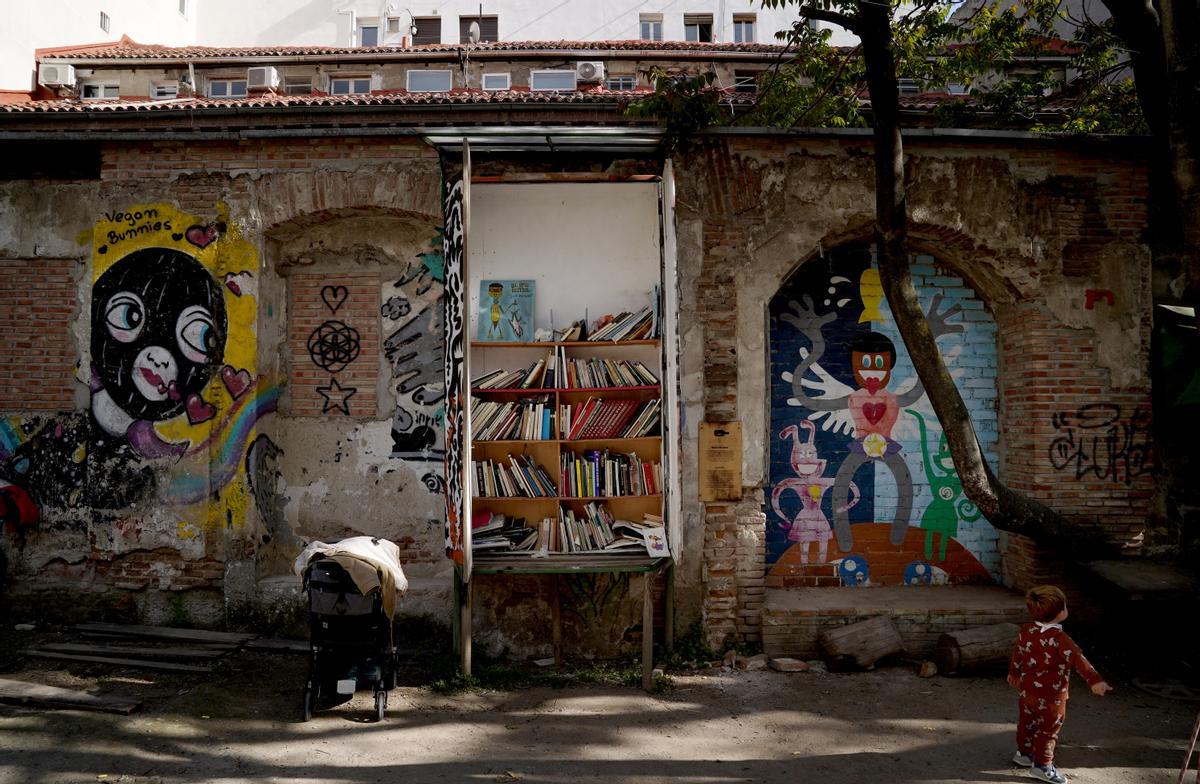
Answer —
(412, 320)
(454, 347)
(332, 346)
(1100, 442)
(853, 455)
(174, 394)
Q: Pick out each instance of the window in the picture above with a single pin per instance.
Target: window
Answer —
(496, 81)
(622, 82)
(957, 88)
(297, 85)
(183, 7)
(697, 27)
(489, 27)
(97, 91)
(908, 86)
(429, 30)
(422, 81)
(104, 21)
(164, 90)
(226, 88)
(743, 28)
(393, 25)
(349, 85)
(745, 81)
(368, 35)
(552, 80)
(651, 27)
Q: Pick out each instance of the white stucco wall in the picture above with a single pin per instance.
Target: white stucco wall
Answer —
(50, 23)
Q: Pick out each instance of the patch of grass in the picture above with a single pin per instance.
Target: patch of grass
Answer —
(691, 649)
(507, 676)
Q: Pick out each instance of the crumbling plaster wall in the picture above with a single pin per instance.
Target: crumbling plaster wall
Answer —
(1033, 224)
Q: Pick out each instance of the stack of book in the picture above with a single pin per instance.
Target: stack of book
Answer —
(626, 326)
(591, 373)
(520, 477)
(526, 419)
(597, 418)
(606, 474)
(498, 533)
(542, 374)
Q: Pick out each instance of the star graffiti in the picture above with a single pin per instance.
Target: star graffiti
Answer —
(336, 397)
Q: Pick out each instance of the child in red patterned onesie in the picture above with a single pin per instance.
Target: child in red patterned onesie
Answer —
(1041, 671)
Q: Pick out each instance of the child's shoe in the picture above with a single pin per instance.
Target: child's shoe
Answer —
(1048, 773)
(1022, 760)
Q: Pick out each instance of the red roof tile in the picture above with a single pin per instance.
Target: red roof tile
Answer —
(130, 50)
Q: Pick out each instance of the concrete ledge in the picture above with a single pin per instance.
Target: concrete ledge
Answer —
(794, 618)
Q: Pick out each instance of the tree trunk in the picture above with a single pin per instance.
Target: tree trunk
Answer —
(860, 645)
(1004, 508)
(975, 649)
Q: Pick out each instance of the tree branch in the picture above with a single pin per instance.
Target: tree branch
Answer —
(833, 17)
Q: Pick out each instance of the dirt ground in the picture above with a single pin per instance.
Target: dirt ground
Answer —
(884, 726)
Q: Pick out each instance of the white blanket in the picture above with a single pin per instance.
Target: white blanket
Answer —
(378, 552)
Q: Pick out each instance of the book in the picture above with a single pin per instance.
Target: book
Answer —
(505, 310)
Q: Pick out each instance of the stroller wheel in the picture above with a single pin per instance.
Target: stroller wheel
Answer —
(307, 712)
(380, 705)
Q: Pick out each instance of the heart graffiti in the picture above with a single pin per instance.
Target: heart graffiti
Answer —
(236, 381)
(203, 236)
(334, 297)
(198, 410)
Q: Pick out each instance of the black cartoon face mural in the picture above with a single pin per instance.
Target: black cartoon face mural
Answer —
(158, 331)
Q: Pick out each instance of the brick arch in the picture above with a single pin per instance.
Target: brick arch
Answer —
(411, 189)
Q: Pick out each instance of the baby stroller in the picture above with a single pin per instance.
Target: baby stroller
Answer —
(351, 587)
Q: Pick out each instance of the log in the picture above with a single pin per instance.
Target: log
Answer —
(978, 648)
(142, 664)
(860, 645)
(143, 652)
(164, 633)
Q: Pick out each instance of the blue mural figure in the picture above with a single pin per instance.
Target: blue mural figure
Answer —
(942, 515)
(854, 571)
(872, 408)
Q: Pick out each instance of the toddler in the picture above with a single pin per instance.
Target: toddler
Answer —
(1041, 671)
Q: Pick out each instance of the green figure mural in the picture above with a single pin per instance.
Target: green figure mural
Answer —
(948, 504)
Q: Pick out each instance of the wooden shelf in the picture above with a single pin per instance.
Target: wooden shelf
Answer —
(600, 442)
(553, 390)
(566, 344)
(490, 498)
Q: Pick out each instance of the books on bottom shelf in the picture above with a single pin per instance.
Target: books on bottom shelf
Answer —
(520, 477)
(614, 418)
(527, 419)
(595, 531)
(604, 473)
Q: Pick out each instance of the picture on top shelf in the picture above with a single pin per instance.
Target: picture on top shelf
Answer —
(505, 310)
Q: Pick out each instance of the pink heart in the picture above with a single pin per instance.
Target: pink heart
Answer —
(197, 410)
(874, 412)
(236, 381)
(231, 283)
(202, 236)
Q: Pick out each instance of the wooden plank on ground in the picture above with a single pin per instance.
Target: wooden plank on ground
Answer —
(41, 696)
(275, 645)
(140, 664)
(166, 633)
(142, 652)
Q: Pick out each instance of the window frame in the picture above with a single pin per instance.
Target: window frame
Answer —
(483, 81)
(352, 83)
(155, 87)
(417, 23)
(364, 26)
(739, 23)
(656, 24)
(408, 79)
(299, 83)
(183, 8)
(746, 81)
(101, 85)
(105, 21)
(695, 20)
(624, 78)
(388, 23)
(533, 81)
(229, 81)
(483, 38)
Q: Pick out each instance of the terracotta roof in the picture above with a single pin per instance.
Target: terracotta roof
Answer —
(395, 98)
(130, 50)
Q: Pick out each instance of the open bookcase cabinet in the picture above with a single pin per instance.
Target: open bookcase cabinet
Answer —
(592, 248)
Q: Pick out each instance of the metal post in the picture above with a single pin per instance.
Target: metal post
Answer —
(648, 631)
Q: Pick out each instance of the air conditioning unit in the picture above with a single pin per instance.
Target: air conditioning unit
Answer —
(262, 77)
(56, 75)
(589, 71)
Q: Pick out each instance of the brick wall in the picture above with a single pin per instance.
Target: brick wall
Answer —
(333, 343)
(37, 352)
